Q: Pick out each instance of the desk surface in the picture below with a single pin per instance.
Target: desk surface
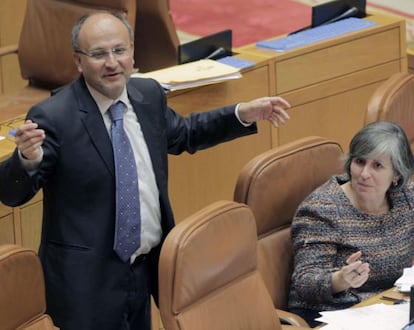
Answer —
(388, 297)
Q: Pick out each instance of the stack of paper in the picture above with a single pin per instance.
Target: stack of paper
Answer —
(405, 282)
(198, 73)
(375, 317)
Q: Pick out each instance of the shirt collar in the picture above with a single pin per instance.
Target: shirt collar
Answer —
(103, 102)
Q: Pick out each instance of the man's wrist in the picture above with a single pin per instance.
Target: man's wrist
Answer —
(31, 164)
(236, 112)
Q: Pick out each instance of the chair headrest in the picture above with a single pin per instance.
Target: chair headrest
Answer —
(393, 101)
(276, 181)
(228, 230)
(22, 286)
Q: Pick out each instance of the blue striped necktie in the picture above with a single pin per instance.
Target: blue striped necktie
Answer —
(127, 218)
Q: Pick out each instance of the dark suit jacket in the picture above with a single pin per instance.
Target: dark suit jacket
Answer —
(84, 277)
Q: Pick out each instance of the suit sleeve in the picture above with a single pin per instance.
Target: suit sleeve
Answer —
(197, 131)
(16, 185)
(202, 130)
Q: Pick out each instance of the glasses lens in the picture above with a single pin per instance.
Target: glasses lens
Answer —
(100, 55)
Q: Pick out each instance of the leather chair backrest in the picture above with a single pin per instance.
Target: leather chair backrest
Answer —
(45, 50)
(156, 39)
(273, 184)
(22, 298)
(208, 273)
(393, 101)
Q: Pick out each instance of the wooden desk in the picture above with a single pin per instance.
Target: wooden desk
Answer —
(387, 297)
(329, 83)
(210, 175)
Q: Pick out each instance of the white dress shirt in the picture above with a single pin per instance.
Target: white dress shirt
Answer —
(151, 230)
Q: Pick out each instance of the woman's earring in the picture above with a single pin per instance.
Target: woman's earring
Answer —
(395, 182)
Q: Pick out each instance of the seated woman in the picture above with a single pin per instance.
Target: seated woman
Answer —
(353, 236)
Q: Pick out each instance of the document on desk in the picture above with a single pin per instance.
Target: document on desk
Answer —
(406, 280)
(372, 317)
(316, 34)
(193, 74)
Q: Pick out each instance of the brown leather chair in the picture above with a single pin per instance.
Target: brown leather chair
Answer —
(393, 100)
(45, 51)
(22, 298)
(208, 273)
(156, 39)
(273, 184)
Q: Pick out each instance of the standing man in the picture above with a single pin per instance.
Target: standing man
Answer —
(65, 148)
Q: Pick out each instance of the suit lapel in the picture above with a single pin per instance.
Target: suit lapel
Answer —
(145, 113)
(94, 124)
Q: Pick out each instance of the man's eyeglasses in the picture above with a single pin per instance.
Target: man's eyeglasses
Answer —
(101, 54)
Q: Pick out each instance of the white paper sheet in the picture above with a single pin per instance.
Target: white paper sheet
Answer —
(375, 317)
(406, 280)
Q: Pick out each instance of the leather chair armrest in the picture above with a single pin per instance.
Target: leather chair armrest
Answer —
(7, 50)
(291, 319)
